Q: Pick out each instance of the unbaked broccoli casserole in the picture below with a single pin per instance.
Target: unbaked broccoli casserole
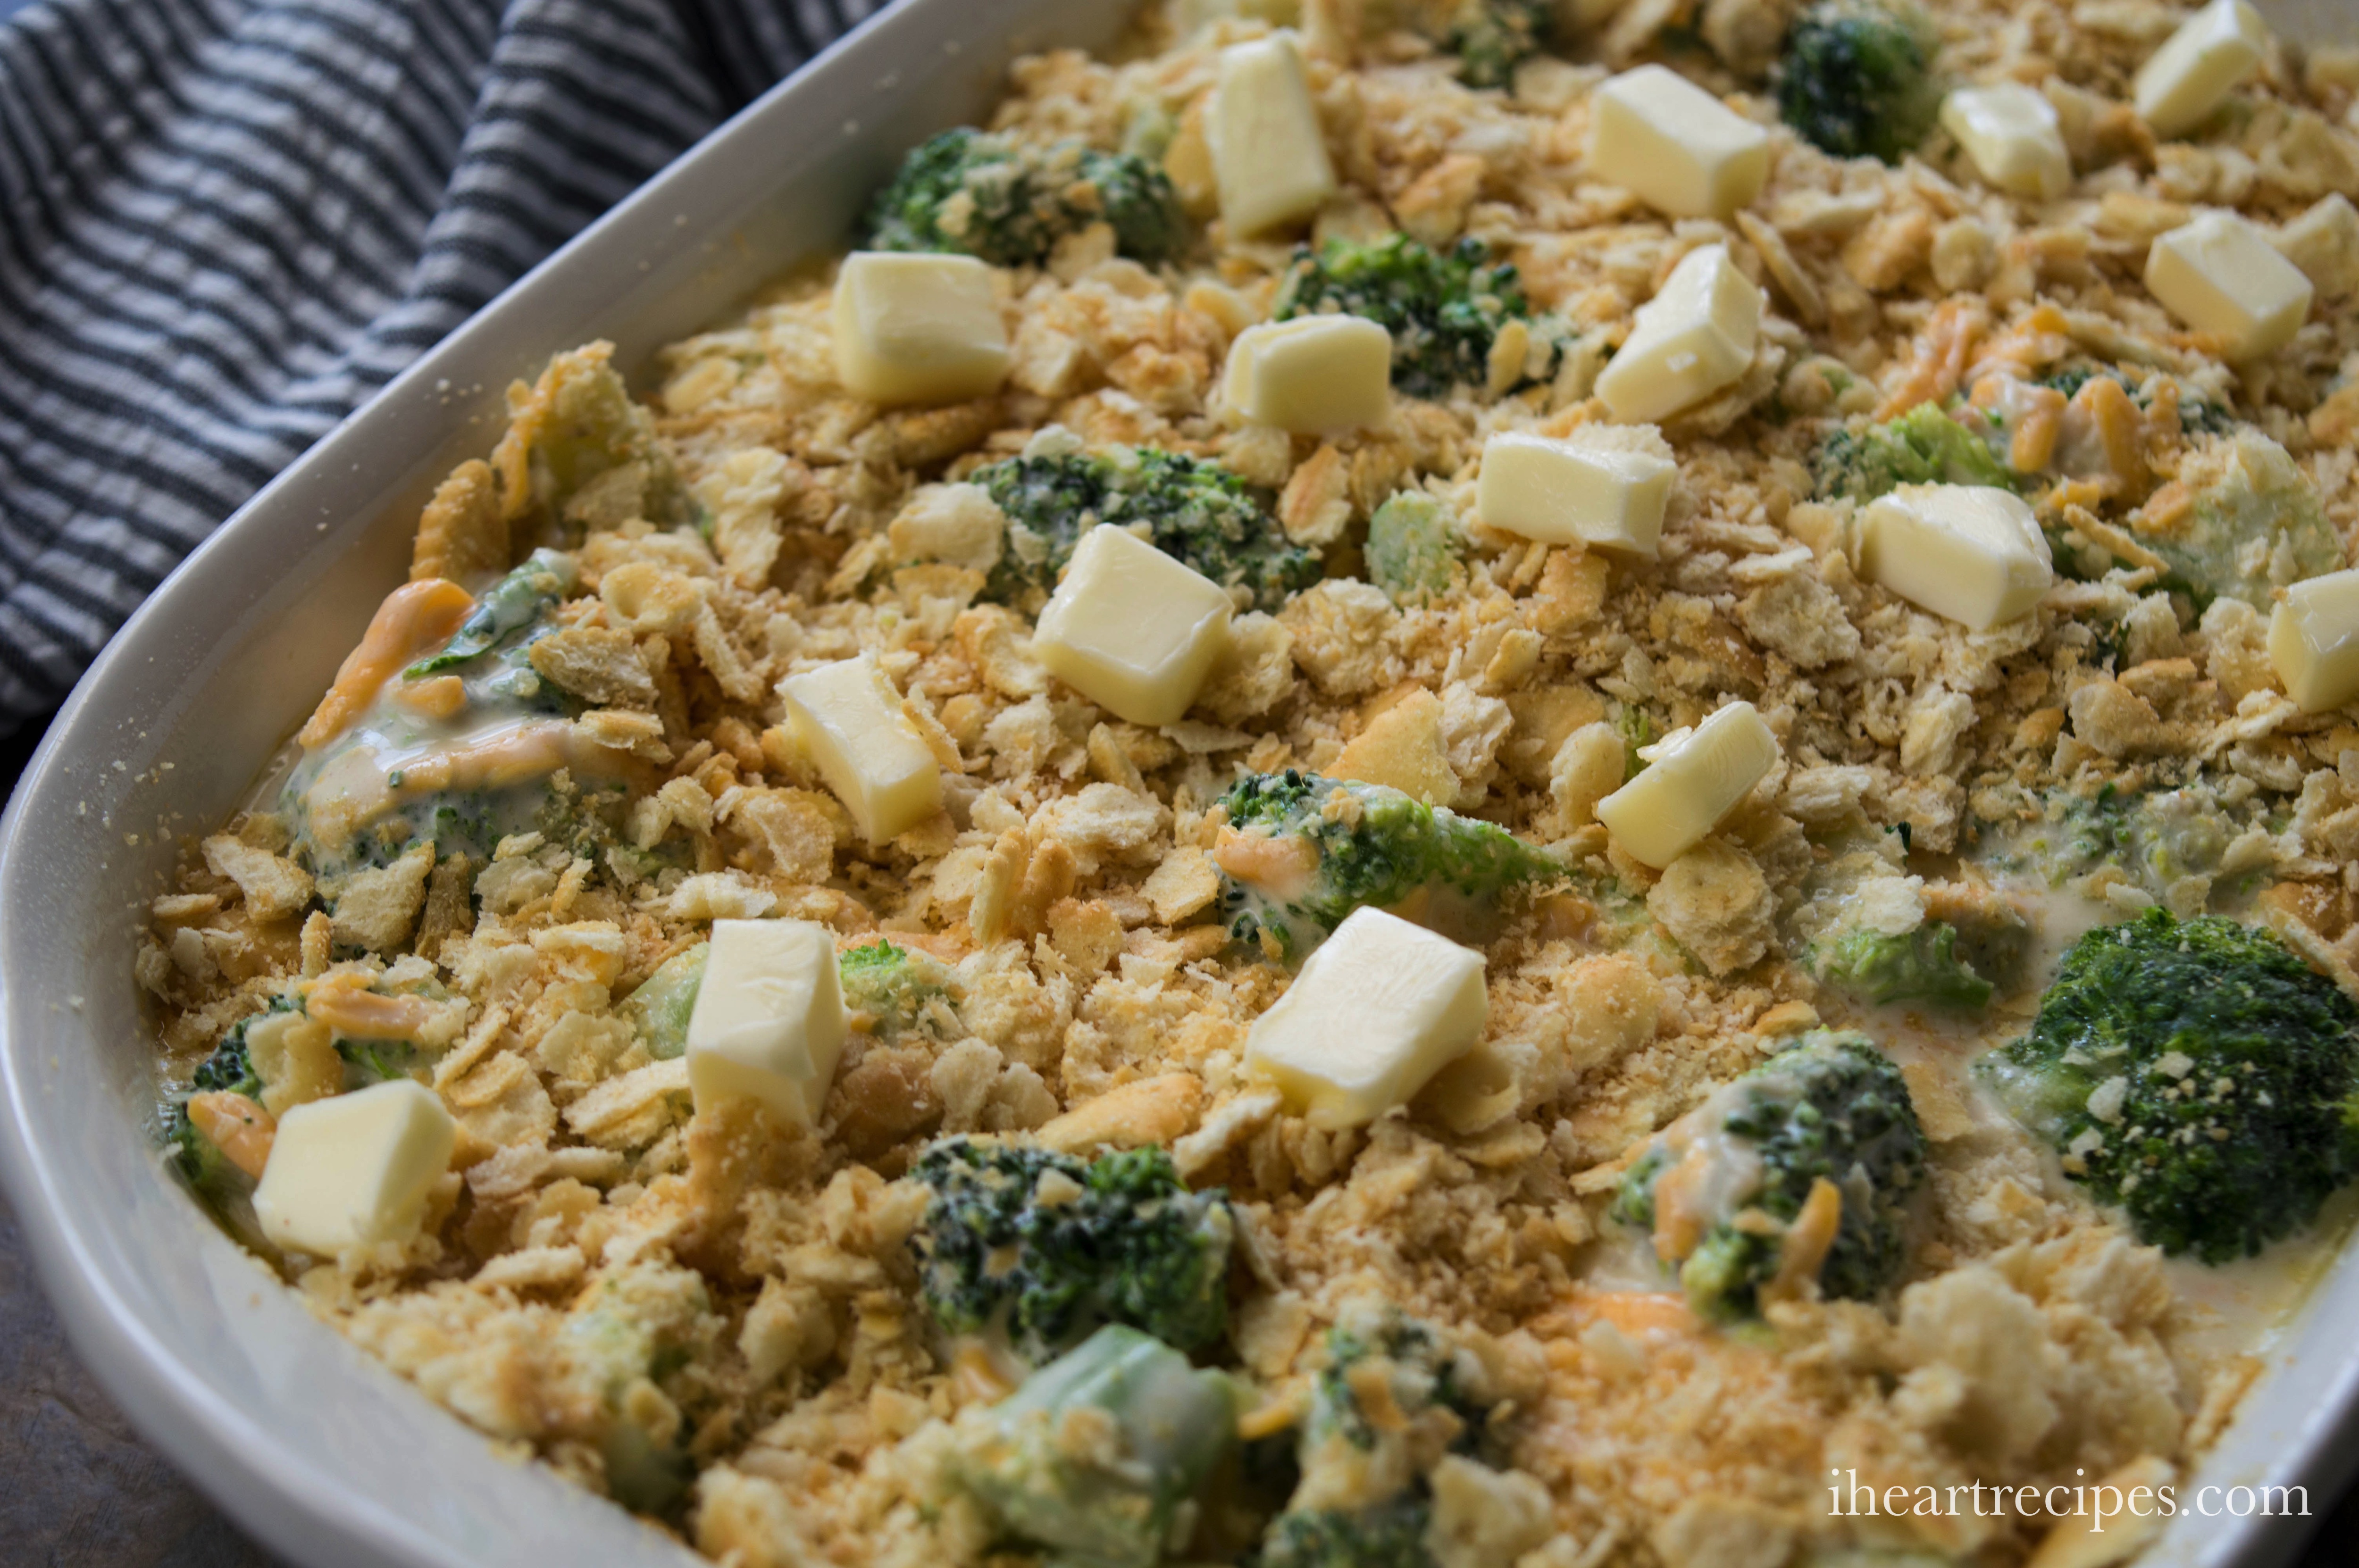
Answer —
(1429, 784)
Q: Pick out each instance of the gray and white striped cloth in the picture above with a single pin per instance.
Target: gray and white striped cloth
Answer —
(223, 224)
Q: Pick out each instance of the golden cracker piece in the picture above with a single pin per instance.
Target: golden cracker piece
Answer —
(597, 665)
(461, 534)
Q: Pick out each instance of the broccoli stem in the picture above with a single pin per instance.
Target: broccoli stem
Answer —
(1095, 1453)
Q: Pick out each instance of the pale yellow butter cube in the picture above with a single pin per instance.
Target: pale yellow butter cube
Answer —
(917, 328)
(1970, 553)
(354, 1169)
(1674, 145)
(847, 718)
(1132, 630)
(1379, 1009)
(1269, 156)
(2220, 275)
(1311, 375)
(2314, 641)
(1695, 337)
(2011, 134)
(769, 1020)
(1694, 778)
(1573, 492)
(2198, 66)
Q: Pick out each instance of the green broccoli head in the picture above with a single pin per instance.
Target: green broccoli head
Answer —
(1042, 1248)
(1301, 852)
(1490, 37)
(2197, 415)
(512, 612)
(1157, 1427)
(1391, 1399)
(645, 1325)
(1857, 79)
(893, 986)
(1921, 965)
(1924, 446)
(229, 1070)
(1730, 1187)
(1390, 1535)
(1413, 548)
(2255, 522)
(490, 654)
(1197, 512)
(1444, 309)
(1419, 1370)
(2198, 1074)
(1008, 203)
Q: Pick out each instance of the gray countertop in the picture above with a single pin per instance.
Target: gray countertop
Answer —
(83, 1491)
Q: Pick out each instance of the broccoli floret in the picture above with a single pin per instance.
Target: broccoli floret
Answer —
(370, 1062)
(894, 986)
(1157, 1428)
(517, 602)
(1490, 37)
(1291, 869)
(579, 454)
(1831, 1109)
(1392, 1400)
(1420, 1372)
(1413, 548)
(1923, 446)
(2173, 844)
(1920, 965)
(1194, 511)
(218, 1183)
(2197, 415)
(1443, 309)
(994, 198)
(1390, 1535)
(1857, 79)
(230, 1069)
(629, 1333)
(1041, 1248)
(2198, 1074)
(489, 655)
(2255, 523)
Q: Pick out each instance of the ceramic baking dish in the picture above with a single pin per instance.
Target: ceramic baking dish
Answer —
(315, 1449)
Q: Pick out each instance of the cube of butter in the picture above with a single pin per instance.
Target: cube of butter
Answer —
(1696, 336)
(1972, 553)
(2198, 66)
(2314, 641)
(847, 718)
(917, 328)
(1675, 146)
(1269, 156)
(1574, 493)
(1695, 778)
(2010, 133)
(1379, 1009)
(1131, 629)
(2220, 275)
(354, 1169)
(1311, 375)
(769, 1020)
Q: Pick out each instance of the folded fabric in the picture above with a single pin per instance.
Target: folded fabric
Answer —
(223, 224)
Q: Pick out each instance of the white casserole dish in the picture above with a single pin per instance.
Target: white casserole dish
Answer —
(315, 1449)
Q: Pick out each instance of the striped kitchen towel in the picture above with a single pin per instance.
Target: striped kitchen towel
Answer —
(223, 224)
